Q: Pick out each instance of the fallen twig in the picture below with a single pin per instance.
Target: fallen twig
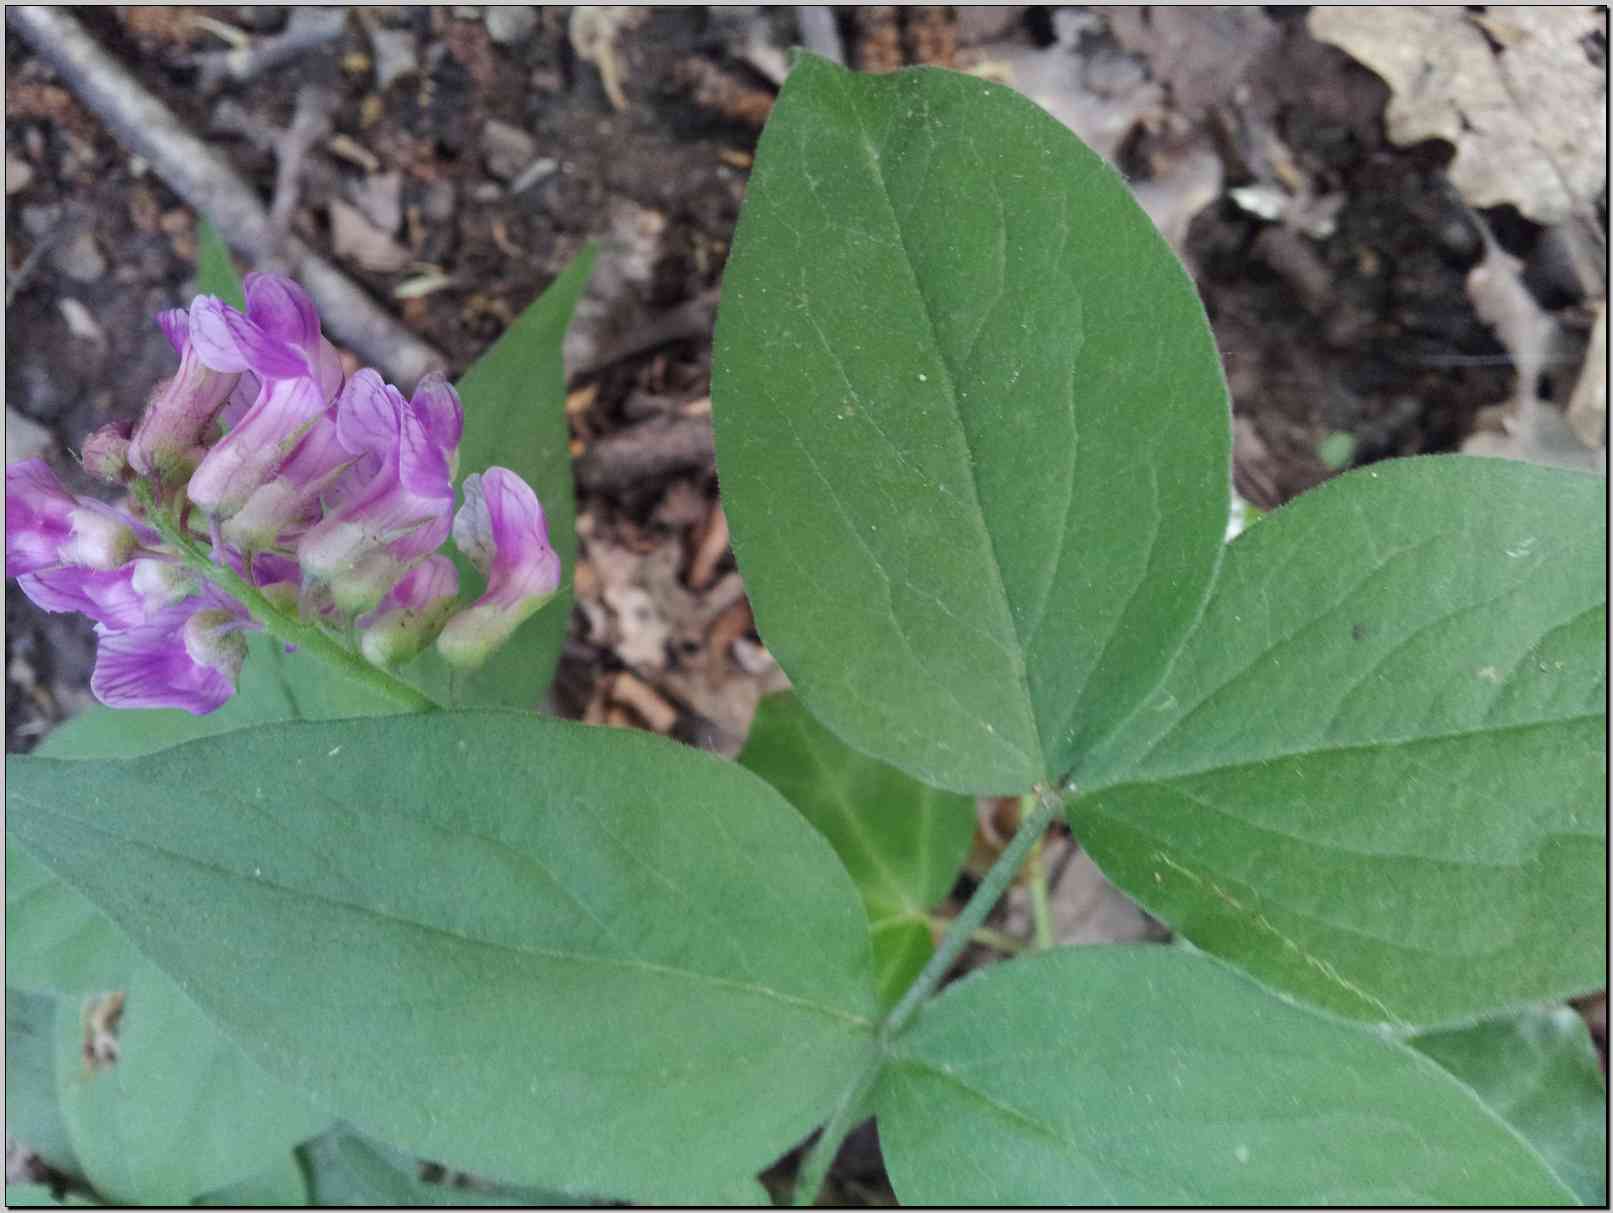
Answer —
(687, 321)
(645, 452)
(306, 28)
(309, 125)
(205, 180)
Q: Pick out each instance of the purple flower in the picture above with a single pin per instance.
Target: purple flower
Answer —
(47, 527)
(401, 513)
(110, 598)
(291, 500)
(169, 441)
(411, 614)
(437, 406)
(188, 656)
(277, 341)
(502, 531)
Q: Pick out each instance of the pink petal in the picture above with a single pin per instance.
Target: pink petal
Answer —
(108, 598)
(368, 415)
(283, 311)
(248, 457)
(150, 667)
(175, 325)
(39, 515)
(437, 406)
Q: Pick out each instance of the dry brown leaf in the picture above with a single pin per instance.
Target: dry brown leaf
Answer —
(1529, 123)
(354, 238)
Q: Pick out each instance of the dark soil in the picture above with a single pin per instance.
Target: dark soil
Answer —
(1365, 331)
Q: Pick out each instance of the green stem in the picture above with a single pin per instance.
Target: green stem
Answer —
(1036, 878)
(815, 1166)
(973, 915)
(960, 931)
(306, 637)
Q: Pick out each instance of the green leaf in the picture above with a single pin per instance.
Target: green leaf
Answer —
(33, 1112)
(182, 1111)
(274, 685)
(971, 425)
(515, 417)
(56, 940)
(902, 842)
(347, 1169)
(1144, 1075)
(1538, 1072)
(1376, 776)
(215, 269)
(280, 1185)
(39, 1196)
(518, 946)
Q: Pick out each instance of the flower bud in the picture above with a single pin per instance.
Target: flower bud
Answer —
(213, 639)
(169, 441)
(163, 582)
(106, 453)
(100, 538)
(502, 530)
(411, 614)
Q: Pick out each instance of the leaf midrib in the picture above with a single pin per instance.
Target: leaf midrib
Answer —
(554, 954)
(949, 379)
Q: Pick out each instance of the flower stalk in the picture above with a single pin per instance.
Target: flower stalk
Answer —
(309, 638)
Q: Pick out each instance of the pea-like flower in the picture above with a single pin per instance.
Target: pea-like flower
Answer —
(502, 531)
(400, 515)
(267, 488)
(170, 439)
(299, 374)
(187, 656)
(47, 527)
(411, 614)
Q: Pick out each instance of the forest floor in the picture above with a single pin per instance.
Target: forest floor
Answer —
(452, 160)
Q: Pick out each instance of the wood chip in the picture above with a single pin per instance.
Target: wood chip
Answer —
(353, 152)
(579, 400)
(645, 700)
(725, 629)
(709, 551)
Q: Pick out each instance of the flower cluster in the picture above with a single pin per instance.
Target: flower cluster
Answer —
(265, 482)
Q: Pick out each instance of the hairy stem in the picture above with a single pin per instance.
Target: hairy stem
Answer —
(306, 637)
(971, 917)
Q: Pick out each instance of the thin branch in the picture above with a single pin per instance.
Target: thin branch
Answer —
(306, 29)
